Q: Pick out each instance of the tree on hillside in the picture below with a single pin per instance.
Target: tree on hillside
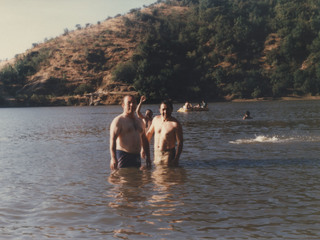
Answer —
(193, 49)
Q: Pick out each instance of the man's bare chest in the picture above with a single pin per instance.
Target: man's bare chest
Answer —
(165, 128)
(131, 126)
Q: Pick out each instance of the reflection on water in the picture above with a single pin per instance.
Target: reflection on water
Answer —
(256, 179)
(149, 197)
(167, 178)
(128, 186)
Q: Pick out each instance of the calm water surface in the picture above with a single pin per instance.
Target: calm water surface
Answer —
(253, 179)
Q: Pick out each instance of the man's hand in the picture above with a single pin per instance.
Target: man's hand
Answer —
(142, 153)
(113, 164)
(143, 99)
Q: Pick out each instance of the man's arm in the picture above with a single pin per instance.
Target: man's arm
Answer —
(146, 149)
(142, 99)
(179, 138)
(114, 133)
(151, 130)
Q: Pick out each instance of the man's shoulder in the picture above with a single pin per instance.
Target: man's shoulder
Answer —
(118, 119)
(173, 119)
(141, 121)
(175, 123)
(157, 118)
(124, 118)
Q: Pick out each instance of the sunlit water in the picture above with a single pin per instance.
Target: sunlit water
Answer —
(252, 179)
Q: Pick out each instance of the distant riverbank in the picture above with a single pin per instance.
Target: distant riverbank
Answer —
(286, 98)
(115, 99)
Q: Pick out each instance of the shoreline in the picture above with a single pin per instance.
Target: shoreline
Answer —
(286, 98)
(80, 101)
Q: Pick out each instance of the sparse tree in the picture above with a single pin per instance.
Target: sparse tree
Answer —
(66, 31)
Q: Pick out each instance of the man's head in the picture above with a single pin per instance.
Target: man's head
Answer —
(129, 104)
(166, 109)
(149, 113)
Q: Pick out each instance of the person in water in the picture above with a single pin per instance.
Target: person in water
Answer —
(203, 104)
(127, 134)
(168, 136)
(247, 116)
(187, 105)
(147, 118)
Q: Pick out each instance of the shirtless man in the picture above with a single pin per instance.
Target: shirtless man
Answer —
(127, 133)
(147, 118)
(167, 132)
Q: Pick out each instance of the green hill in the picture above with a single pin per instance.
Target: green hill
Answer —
(183, 50)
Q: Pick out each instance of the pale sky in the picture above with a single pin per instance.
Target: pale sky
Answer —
(24, 22)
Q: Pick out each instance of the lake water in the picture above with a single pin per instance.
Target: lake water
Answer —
(252, 179)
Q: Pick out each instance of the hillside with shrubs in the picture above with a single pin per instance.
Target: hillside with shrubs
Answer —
(183, 50)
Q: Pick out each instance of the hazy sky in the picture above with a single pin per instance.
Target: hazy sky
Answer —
(24, 22)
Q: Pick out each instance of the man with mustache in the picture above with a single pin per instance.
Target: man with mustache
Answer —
(168, 136)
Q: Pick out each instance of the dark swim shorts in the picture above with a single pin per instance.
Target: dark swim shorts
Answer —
(128, 159)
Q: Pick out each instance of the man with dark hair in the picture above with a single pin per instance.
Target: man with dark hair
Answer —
(247, 116)
(127, 133)
(147, 118)
(168, 136)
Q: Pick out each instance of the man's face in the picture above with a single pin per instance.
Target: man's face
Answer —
(149, 114)
(165, 111)
(129, 105)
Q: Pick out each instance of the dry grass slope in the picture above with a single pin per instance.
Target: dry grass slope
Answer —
(90, 55)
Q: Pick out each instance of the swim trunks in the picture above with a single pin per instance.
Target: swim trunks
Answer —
(126, 159)
(164, 157)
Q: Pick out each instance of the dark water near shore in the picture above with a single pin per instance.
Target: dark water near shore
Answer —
(254, 179)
